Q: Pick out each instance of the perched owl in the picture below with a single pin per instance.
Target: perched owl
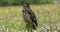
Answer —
(29, 16)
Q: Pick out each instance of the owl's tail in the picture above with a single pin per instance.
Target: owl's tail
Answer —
(34, 27)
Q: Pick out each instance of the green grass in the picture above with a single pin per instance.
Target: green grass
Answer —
(11, 19)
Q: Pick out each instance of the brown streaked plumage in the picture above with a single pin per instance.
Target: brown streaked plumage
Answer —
(29, 16)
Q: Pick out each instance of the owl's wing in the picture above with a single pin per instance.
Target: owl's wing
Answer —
(33, 17)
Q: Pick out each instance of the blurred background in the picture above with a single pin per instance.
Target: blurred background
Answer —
(47, 13)
(18, 2)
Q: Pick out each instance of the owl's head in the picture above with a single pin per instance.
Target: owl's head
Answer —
(26, 5)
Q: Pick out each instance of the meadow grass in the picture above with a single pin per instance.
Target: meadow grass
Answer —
(11, 19)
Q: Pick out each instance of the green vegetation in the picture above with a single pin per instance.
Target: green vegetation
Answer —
(19, 2)
(11, 19)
